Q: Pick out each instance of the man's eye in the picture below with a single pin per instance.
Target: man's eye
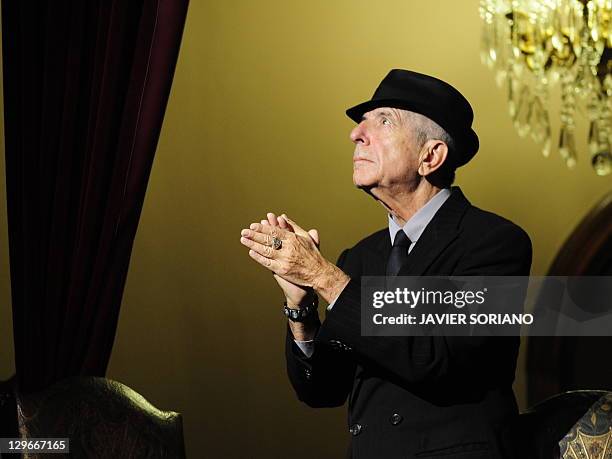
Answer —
(386, 121)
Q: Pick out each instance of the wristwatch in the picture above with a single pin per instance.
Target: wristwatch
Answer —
(302, 313)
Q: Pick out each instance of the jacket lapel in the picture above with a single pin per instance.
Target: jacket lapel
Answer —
(378, 254)
(439, 233)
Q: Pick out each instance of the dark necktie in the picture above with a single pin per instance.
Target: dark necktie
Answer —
(399, 253)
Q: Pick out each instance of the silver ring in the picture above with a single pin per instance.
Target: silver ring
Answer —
(277, 244)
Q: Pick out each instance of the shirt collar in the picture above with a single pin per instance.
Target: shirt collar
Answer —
(415, 226)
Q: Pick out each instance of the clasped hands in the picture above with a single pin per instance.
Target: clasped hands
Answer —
(298, 265)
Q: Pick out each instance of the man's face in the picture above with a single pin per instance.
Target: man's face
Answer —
(385, 150)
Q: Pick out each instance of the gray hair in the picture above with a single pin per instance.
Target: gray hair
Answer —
(426, 129)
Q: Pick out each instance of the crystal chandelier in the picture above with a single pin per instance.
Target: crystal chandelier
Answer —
(533, 44)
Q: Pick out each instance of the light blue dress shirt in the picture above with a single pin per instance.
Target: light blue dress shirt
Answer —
(413, 228)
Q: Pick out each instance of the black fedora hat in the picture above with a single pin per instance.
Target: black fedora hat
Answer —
(431, 97)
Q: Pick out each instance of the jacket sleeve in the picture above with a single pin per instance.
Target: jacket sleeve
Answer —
(324, 379)
(504, 251)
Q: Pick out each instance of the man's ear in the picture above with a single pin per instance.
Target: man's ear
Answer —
(434, 155)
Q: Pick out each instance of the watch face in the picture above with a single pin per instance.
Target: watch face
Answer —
(298, 315)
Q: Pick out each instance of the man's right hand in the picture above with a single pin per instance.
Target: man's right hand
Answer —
(295, 295)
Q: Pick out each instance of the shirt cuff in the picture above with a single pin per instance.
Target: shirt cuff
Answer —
(307, 347)
(331, 305)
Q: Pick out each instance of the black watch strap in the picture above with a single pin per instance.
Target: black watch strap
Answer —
(302, 313)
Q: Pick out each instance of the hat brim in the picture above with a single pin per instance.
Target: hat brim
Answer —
(466, 142)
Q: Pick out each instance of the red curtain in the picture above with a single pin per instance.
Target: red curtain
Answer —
(85, 90)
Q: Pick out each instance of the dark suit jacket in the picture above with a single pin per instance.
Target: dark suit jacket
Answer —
(420, 396)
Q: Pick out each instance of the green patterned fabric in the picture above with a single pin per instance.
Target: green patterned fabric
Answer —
(591, 436)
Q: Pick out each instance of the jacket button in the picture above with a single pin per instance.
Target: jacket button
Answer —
(308, 374)
(337, 345)
(395, 419)
(355, 429)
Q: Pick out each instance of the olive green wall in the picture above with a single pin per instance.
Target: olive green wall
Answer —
(256, 123)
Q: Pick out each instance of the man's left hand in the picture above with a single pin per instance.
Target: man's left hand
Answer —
(297, 260)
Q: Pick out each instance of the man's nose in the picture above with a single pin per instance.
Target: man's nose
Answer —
(358, 134)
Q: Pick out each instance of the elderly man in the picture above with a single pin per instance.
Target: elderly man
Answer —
(408, 397)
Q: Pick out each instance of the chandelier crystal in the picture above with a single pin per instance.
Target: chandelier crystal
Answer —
(532, 45)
